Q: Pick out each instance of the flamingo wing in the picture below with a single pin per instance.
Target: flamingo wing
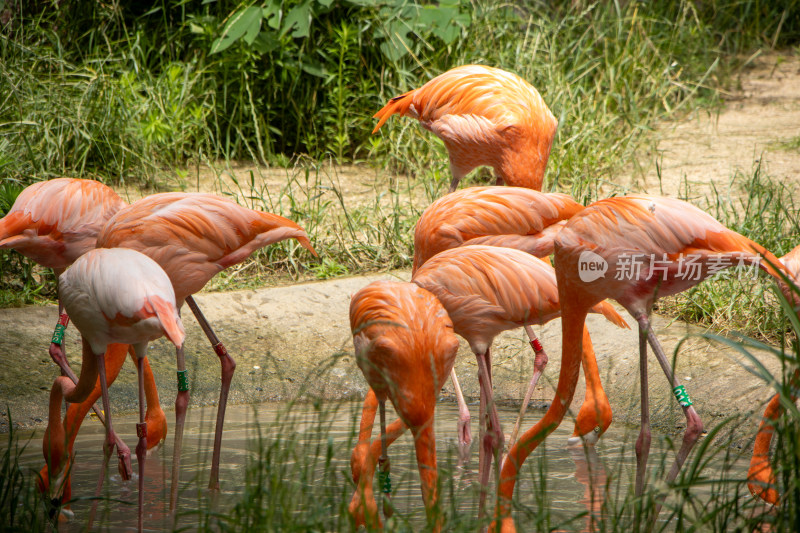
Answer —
(194, 236)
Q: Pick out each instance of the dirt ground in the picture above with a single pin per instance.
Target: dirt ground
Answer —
(295, 340)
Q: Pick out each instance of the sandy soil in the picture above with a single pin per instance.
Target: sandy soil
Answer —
(296, 340)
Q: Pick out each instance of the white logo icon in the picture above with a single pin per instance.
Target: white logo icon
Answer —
(591, 266)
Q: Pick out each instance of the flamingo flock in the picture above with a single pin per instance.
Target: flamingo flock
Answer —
(480, 267)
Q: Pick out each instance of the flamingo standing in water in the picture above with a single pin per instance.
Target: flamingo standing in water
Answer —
(632, 249)
(511, 217)
(194, 236)
(53, 223)
(486, 117)
(405, 346)
(104, 314)
(761, 478)
(487, 290)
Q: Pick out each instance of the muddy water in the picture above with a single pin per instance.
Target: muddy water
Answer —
(575, 479)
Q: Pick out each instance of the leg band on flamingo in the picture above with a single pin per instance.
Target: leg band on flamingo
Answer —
(537, 346)
(141, 430)
(220, 350)
(682, 396)
(183, 380)
(58, 334)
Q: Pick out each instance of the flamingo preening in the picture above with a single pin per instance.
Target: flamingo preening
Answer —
(486, 117)
(194, 236)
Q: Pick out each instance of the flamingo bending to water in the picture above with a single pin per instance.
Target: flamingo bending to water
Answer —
(405, 346)
(511, 217)
(486, 117)
(647, 247)
(144, 311)
(194, 236)
(760, 476)
(487, 290)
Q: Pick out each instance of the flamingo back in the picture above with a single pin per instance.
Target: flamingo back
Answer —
(650, 246)
(404, 344)
(513, 217)
(54, 222)
(485, 116)
(120, 296)
(194, 236)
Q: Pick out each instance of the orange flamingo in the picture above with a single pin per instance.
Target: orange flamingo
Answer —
(405, 346)
(760, 476)
(512, 217)
(193, 237)
(632, 249)
(105, 315)
(487, 290)
(485, 116)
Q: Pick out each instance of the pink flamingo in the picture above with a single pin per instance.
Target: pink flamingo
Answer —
(511, 217)
(104, 314)
(760, 476)
(405, 346)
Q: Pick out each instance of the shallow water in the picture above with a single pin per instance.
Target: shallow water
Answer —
(576, 479)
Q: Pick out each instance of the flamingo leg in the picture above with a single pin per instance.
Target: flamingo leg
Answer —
(492, 442)
(359, 455)
(760, 477)
(464, 431)
(181, 404)
(228, 367)
(425, 446)
(108, 444)
(385, 465)
(694, 426)
(362, 506)
(141, 428)
(643, 442)
(539, 363)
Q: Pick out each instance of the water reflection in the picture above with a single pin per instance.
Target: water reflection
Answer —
(577, 483)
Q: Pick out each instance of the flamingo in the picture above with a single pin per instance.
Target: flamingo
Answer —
(632, 249)
(487, 290)
(760, 476)
(104, 314)
(405, 346)
(194, 236)
(53, 223)
(485, 116)
(512, 217)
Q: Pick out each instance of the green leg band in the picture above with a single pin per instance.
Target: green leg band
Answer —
(58, 334)
(384, 482)
(682, 396)
(183, 381)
